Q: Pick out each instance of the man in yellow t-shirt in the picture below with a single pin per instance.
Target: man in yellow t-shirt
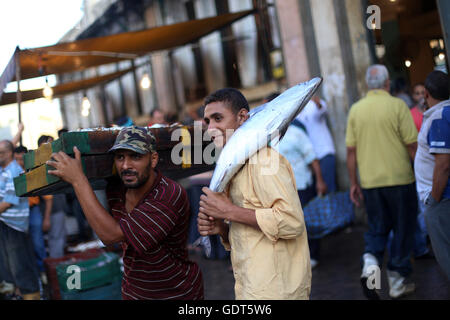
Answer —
(266, 233)
(381, 142)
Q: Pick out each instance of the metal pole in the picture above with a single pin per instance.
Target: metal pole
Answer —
(19, 93)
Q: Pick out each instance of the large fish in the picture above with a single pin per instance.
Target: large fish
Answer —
(266, 124)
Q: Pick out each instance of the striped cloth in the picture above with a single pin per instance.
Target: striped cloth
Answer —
(17, 215)
(155, 257)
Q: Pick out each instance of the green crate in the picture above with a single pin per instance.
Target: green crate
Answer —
(94, 273)
(111, 291)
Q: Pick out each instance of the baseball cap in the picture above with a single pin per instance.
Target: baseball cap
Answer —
(137, 139)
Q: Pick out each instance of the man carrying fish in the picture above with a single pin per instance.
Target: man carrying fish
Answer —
(259, 217)
(150, 216)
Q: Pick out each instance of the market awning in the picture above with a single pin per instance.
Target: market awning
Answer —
(62, 89)
(81, 54)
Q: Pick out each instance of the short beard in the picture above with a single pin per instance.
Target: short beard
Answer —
(141, 179)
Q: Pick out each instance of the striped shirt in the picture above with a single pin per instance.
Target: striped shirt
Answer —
(155, 257)
(17, 215)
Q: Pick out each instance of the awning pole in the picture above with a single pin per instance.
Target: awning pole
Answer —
(19, 93)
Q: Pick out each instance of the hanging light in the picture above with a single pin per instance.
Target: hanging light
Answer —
(85, 106)
(441, 56)
(47, 91)
(146, 83)
(408, 63)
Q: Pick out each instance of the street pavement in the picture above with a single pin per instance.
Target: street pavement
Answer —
(337, 275)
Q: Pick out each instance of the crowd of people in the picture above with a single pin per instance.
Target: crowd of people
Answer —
(398, 161)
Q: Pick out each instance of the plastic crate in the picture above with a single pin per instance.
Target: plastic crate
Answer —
(109, 292)
(94, 273)
(51, 263)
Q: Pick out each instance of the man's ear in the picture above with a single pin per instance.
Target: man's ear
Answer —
(242, 116)
(154, 158)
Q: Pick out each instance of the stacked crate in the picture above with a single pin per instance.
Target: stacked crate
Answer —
(98, 163)
(51, 264)
(99, 278)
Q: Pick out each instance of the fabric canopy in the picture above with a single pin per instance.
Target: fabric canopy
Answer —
(86, 53)
(62, 89)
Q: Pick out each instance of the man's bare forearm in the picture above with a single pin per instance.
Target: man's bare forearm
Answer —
(243, 215)
(104, 225)
(440, 175)
(4, 206)
(412, 149)
(351, 165)
(316, 169)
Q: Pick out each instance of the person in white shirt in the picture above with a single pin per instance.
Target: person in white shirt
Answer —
(313, 117)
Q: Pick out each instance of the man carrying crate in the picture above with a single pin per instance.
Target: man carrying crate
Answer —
(149, 215)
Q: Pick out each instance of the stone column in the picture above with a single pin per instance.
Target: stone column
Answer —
(161, 69)
(292, 41)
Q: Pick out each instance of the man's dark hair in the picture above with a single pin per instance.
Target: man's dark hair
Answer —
(43, 139)
(235, 99)
(437, 84)
(21, 149)
(155, 110)
(61, 131)
(418, 84)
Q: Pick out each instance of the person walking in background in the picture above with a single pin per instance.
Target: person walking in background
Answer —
(314, 118)
(157, 117)
(74, 208)
(400, 90)
(381, 141)
(419, 104)
(432, 166)
(298, 150)
(17, 258)
(35, 228)
(54, 208)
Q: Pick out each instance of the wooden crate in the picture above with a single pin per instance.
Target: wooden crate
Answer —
(98, 164)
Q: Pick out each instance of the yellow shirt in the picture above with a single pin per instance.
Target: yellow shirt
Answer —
(380, 126)
(273, 263)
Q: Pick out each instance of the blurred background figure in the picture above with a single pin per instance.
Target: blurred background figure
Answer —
(17, 258)
(314, 118)
(35, 221)
(157, 116)
(421, 249)
(297, 148)
(123, 122)
(54, 208)
(400, 90)
(419, 104)
(74, 209)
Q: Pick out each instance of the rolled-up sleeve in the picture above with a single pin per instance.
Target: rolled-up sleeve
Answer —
(281, 215)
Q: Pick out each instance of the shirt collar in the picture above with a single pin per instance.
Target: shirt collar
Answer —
(378, 92)
(436, 108)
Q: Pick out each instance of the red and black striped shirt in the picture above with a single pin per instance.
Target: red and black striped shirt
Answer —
(155, 257)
